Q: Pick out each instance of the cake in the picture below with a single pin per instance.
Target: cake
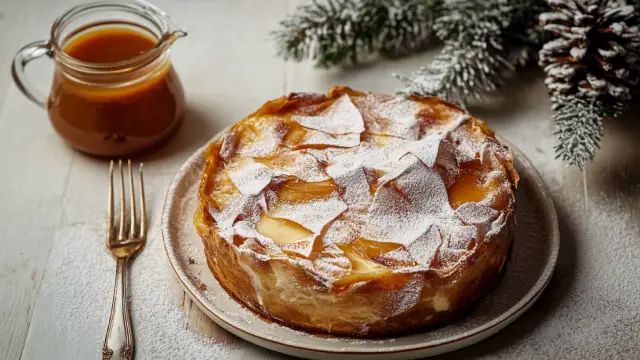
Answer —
(357, 214)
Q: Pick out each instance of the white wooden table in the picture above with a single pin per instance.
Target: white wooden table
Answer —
(228, 67)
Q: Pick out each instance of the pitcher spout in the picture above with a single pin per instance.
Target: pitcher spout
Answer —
(175, 31)
(172, 31)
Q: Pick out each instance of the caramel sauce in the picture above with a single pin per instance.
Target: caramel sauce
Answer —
(109, 45)
(123, 117)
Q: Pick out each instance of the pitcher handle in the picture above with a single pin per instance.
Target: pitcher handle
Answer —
(31, 51)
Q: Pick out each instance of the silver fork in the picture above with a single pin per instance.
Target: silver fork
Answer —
(118, 343)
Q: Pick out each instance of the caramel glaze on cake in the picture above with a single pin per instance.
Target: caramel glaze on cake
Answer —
(358, 214)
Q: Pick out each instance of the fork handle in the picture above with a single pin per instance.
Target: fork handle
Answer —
(118, 343)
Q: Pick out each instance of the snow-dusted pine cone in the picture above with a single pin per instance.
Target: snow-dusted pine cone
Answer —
(595, 52)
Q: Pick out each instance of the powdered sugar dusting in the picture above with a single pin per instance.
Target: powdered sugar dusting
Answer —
(341, 231)
(406, 297)
(313, 215)
(333, 262)
(450, 257)
(376, 157)
(394, 116)
(424, 248)
(266, 144)
(347, 171)
(342, 117)
(460, 237)
(251, 178)
(426, 149)
(300, 164)
(76, 294)
(302, 247)
(523, 270)
(229, 143)
(406, 203)
(240, 204)
(476, 213)
(400, 258)
(314, 137)
(355, 188)
(392, 181)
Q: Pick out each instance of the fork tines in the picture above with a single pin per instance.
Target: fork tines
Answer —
(134, 232)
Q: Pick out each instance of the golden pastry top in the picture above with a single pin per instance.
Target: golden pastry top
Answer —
(351, 186)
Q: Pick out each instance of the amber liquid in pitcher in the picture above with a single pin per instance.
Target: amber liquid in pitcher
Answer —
(121, 118)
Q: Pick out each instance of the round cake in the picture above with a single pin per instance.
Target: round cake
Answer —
(358, 214)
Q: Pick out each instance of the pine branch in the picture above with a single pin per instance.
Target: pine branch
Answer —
(579, 128)
(336, 32)
(408, 27)
(458, 73)
(484, 41)
(320, 31)
(468, 21)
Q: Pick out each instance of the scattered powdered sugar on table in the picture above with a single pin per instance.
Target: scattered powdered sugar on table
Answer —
(76, 296)
(595, 288)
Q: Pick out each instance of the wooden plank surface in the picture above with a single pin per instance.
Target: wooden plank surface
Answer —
(32, 185)
(228, 69)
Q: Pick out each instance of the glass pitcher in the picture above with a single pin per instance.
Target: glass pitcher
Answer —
(114, 90)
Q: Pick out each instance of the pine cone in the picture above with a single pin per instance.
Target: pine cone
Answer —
(595, 54)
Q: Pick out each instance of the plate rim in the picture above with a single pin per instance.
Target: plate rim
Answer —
(496, 324)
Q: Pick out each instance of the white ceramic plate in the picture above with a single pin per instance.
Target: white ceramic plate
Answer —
(528, 272)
